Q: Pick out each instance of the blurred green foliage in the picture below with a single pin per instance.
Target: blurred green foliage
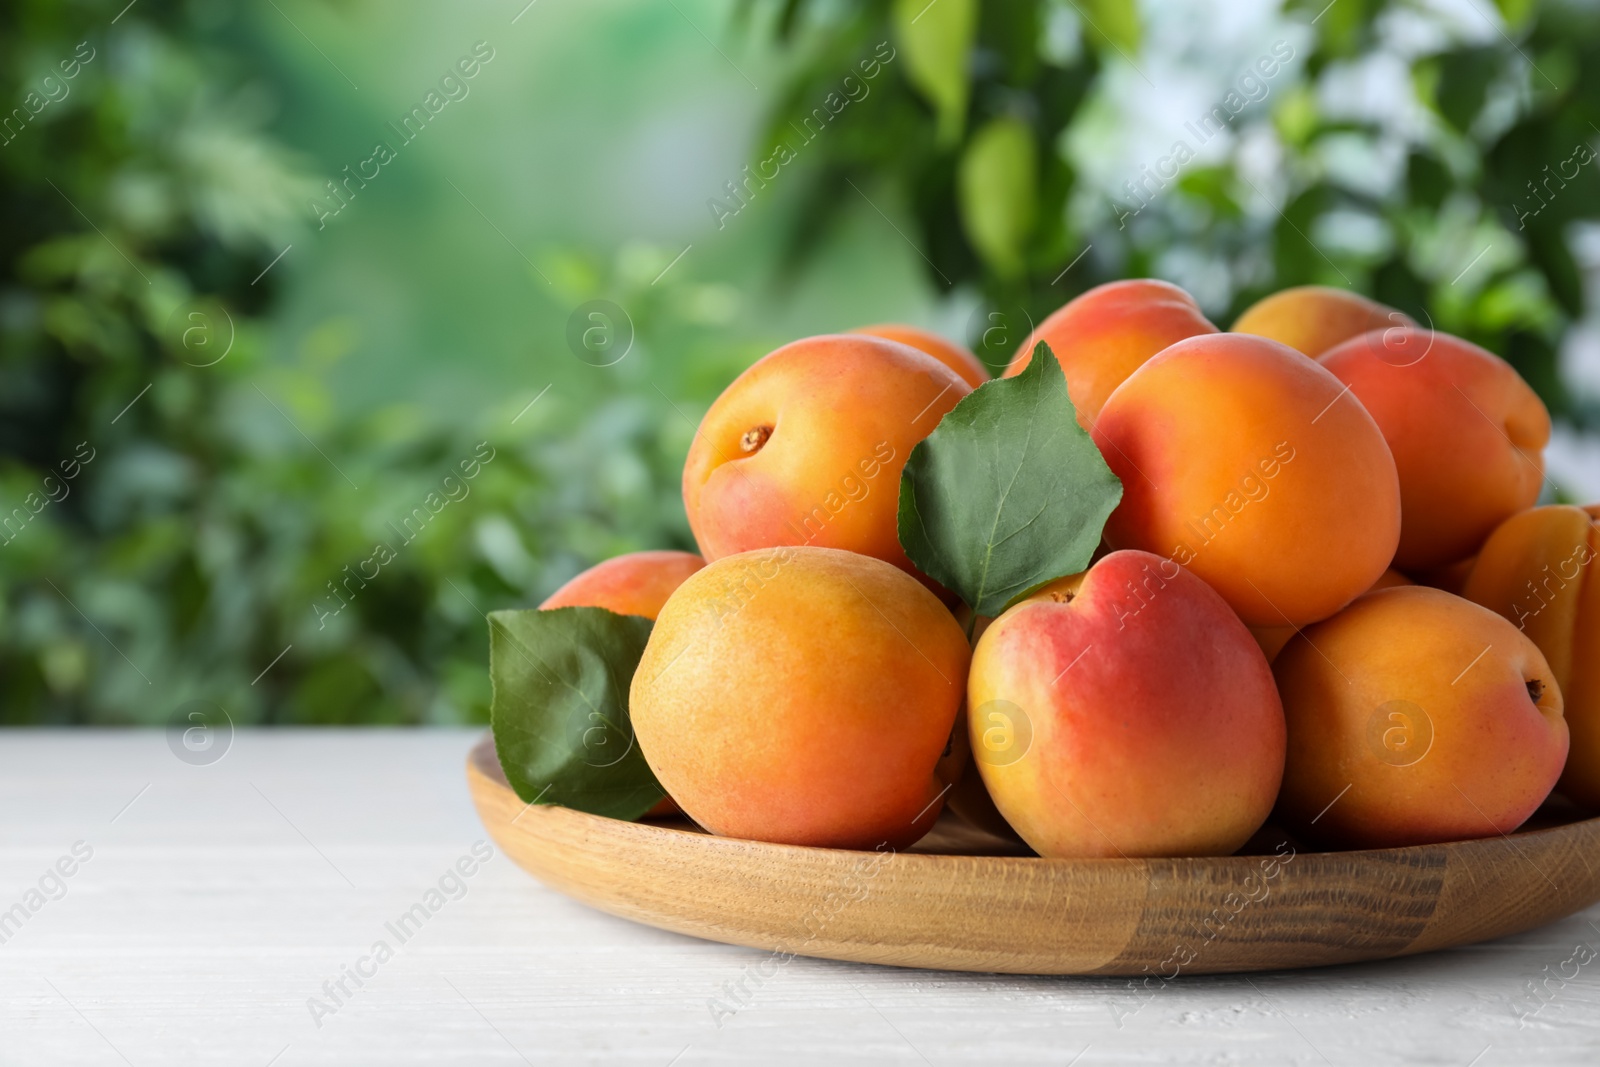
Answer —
(209, 528)
(1486, 150)
(179, 524)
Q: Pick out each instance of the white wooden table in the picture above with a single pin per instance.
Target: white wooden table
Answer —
(216, 900)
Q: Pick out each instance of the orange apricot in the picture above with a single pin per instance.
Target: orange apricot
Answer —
(806, 447)
(1416, 717)
(957, 357)
(1537, 571)
(1102, 336)
(1467, 433)
(803, 696)
(1314, 318)
(638, 583)
(1244, 462)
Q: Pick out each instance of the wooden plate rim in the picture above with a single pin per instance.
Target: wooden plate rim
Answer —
(1344, 906)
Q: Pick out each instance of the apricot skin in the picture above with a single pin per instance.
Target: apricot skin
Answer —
(957, 357)
(1155, 726)
(1273, 638)
(1538, 571)
(638, 583)
(1102, 336)
(1451, 578)
(1240, 460)
(1467, 433)
(803, 696)
(1314, 318)
(806, 447)
(1411, 721)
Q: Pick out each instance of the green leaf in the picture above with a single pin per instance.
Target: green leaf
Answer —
(998, 188)
(560, 709)
(1008, 492)
(937, 40)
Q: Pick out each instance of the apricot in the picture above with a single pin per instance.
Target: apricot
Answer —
(806, 447)
(1416, 717)
(1535, 570)
(638, 583)
(1241, 460)
(1126, 711)
(1102, 336)
(958, 358)
(1314, 318)
(802, 696)
(1273, 638)
(1467, 433)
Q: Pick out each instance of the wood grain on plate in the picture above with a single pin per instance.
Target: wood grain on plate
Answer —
(940, 906)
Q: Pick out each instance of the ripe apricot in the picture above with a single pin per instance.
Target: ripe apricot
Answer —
(1415, 717)
(1102, 336)
(1314, 318)
(1241, 460)
(958, 358)
(806, 447)
(803, 696)
(634, 584)
(1467, 433)
(1537, 571)
(1126, 711)
(637, 583)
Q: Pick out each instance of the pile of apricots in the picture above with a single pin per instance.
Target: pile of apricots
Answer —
(1326, 598)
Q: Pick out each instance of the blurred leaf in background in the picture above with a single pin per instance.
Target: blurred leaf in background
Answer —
(179, 528)
(937, 38)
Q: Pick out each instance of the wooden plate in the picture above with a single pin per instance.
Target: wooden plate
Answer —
(947, 905)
